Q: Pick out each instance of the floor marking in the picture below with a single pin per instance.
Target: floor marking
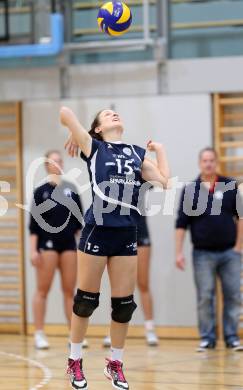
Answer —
(47, 374)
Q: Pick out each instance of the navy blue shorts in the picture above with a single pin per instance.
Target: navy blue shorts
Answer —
(108, 241)
(59, 245)
(143, 232)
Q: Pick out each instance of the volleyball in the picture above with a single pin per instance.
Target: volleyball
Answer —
(114, 18)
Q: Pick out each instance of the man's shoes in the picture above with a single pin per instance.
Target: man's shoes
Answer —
(235, 345)
(206, 344)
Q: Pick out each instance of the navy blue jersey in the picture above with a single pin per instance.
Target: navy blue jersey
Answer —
(211, 215)
(56, 209)
(115, 176)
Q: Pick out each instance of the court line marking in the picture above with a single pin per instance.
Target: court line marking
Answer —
(47, 374)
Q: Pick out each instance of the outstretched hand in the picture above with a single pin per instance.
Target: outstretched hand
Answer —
(154, 146)
(71, 147)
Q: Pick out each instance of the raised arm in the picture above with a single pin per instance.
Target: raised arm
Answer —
(156, 171)
(79, 136)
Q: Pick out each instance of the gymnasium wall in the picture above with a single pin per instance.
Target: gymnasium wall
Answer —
(125, 79)
(183, 124)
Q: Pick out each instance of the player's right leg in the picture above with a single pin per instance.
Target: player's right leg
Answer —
(86, 300)
(68, 273)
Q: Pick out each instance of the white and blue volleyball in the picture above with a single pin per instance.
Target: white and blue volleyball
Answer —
(114, 18)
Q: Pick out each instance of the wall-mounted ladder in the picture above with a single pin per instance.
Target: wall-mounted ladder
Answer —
(228, 115)
(12, 299)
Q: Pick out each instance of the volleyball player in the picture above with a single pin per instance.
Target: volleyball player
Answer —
(144, 254)
(117, 171)
(50, 251)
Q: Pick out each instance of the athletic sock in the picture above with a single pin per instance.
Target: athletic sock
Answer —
(40, 332)
(149, 325)
(76, 351)
(117, 354)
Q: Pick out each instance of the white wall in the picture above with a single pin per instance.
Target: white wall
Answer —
(205, 75)
(22, 84)
(183, 124)
(202, 75)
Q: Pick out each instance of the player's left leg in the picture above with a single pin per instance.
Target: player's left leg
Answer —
(144, 253)
(123, 275)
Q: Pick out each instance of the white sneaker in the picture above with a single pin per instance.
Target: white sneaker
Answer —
(235, 345)
(41, 341)
(107, 342)
(204, 345)
(152, 338)
(85, 344)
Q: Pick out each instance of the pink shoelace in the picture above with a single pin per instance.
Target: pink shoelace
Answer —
(76, 370)
(116, 366)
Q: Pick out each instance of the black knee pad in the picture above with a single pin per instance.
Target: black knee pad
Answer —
(85, 303)
(122, 309)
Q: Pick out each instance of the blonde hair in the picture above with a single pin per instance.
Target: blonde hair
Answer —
(48, 154)
(52, 151)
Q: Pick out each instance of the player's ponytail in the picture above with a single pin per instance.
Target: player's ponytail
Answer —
(95, 123)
